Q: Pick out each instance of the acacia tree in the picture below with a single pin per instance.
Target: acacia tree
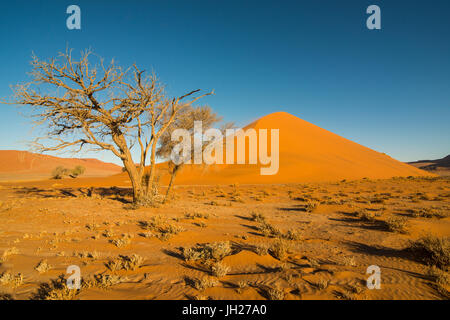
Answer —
(185, 121)
(79, 103)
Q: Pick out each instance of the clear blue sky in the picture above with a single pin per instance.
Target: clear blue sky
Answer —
(387, 89)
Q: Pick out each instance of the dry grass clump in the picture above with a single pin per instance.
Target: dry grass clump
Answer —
(441, 280)
(8, 279)
(322, 284)
(121, 242)
(258, 217)
(104, 281)
(311, 205)
(261, 249)
(399, 225)
(292, 234)
(125, 262)
(218, 269)
(432, 250)
(43, 266)
(428, 213)
(365, 215)
(202, 284)
(279, 250)
(161, 227)
(208, 251)
(8, 252)
(56, 289)
(274, 293)
(268, 230)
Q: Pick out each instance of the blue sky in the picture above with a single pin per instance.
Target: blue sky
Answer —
(387, 89)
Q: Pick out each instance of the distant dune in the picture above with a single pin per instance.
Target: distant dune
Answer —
(438, 166)
(308, 153)
(23, 165)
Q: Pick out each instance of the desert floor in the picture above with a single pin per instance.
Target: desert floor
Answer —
(316, 242)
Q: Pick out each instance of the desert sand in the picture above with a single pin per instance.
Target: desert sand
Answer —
(310, 232)
(25, 166)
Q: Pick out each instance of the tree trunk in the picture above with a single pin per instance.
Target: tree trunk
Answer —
(151, 177)
(172, 179)
(136, 181)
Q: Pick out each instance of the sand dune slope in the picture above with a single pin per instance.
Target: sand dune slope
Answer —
(308, 153)
(23, 165)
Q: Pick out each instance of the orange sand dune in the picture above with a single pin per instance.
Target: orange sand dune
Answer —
(308, 153)
(23, 165)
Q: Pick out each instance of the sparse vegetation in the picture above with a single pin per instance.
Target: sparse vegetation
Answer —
(161, 227)
(219, 270)
(432, 250)
(56, 289)
(123, 262)
(42, 266)
(279, 249)
(209, 251)
(399, 225)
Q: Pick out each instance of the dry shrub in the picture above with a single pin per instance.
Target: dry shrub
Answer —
(262, 249)
(268, 230)
(218, 269)
(432, 250)
(161, 227)
(365, 215)
(258, 217)
(8, 279)
(121, 242)
(208, 251)
(105, 281)
(274, 293)
(56, 289)
(125, 262)
(279, 250)
(8, 252)
(399, 225)
(42, 266)
(202, 284)
(428, 213)
(311, 206)
(441, 280)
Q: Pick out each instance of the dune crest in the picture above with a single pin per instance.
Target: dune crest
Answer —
(308, 153)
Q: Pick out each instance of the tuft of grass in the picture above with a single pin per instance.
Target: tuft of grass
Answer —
(105, 281)
(365, 215)
(261, 250)
(441, 280)
(56, 289)
(268, 230)
(311, 205)
(125, 262)
(274, 294)
(258, 217)
(8, 279)
(42, 266)
(8, 252)
(162, 228)
(279, 250)
(208, 251)
(322, 284)
(202, 284)
(428, 213)
(292, 234)
(399, 225)
(432, 250)
(121, 242)
(218, 269)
